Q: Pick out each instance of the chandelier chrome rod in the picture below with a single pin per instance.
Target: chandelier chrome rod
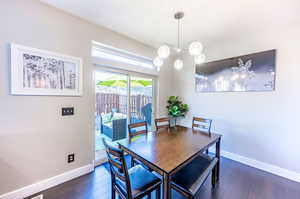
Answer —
(178, 34)
(178, 16)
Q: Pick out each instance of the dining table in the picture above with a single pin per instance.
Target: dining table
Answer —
(166, 151)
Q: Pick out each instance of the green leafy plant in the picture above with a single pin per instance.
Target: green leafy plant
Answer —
(176, 108)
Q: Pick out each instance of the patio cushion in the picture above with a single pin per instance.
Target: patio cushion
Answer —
(117, 116)
(106, 117)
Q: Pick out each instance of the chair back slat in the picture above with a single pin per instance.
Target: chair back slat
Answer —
(162, 123)
(140, 132)
(136, 129)
(118, 174)
(114, 152)
(200, 119)
(117, 164)
(163, 119)
(135, 125)
(202, 124)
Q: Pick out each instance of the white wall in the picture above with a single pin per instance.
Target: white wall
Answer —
(258, 125)
(34, 138)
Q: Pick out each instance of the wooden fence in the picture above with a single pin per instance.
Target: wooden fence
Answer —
(105, 102)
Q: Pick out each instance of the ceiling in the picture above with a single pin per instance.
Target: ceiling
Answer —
(151, 21)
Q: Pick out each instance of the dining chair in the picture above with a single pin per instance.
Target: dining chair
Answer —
(138, 128)
(135, 129)
(162, 123)
(202, 124)
(189, 179)
(133, 183)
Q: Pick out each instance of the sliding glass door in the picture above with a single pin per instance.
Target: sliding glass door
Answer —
(120, 99)
(141, 100)
(111, 109)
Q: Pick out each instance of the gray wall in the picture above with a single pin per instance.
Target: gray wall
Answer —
(259, 125)
(34, 138)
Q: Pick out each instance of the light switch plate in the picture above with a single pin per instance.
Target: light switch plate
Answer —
(65, 111)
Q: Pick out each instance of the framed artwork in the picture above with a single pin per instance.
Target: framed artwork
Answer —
(40, 72)
(253, 72)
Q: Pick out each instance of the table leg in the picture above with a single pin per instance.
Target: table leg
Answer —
(218, 155)
(167, 191)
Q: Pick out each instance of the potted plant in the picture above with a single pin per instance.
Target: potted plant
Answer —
(176, 108)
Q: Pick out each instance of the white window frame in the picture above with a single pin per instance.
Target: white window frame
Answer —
(121, 59)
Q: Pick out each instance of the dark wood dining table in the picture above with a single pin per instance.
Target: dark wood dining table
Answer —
(168, 150)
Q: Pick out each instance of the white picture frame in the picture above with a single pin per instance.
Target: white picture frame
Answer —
(40, 72)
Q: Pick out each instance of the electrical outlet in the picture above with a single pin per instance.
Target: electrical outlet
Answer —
(67, 111)
(38, 197)
(71, 158)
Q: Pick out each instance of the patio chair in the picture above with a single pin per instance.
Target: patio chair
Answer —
(114, 129)
(147, 112)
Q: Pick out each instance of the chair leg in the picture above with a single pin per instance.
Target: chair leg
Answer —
(149, 195)
(158, 193)
(213, 177)
(206, 151)
(132, 162)
(113, 193)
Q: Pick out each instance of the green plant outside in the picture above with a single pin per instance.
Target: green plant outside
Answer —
(123, 83)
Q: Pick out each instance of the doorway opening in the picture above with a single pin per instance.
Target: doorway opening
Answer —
(121, 99)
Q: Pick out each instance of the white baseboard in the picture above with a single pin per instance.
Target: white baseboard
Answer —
(48, 183)
(291, 175)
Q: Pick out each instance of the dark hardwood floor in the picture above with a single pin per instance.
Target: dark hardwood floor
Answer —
(237, 181)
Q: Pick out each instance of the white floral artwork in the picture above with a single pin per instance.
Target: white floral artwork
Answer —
(254, 72)
(38, 72)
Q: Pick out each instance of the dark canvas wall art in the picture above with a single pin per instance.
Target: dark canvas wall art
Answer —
(253, 72)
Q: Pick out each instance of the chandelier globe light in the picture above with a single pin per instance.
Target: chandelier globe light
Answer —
(195, 49)
(163, 51)
(178, 64)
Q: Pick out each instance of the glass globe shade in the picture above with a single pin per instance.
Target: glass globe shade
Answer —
(195, 48)
(158, 62)
(178, 50)
(178, 64)
(199, 59)
(163, 52)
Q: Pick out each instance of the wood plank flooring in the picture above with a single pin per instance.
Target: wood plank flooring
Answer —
(237, 181)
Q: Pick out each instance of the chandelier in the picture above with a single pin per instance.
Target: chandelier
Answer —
(195, 49)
